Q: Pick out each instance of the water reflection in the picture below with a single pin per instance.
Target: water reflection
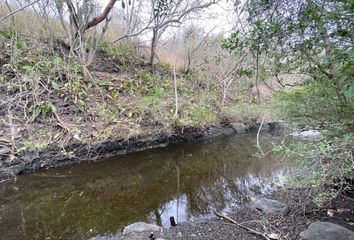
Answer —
(187, 181)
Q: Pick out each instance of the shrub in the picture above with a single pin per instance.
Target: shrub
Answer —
(322, 164)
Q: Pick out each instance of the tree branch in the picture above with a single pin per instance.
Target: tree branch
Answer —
(96, 20)
(17, 10)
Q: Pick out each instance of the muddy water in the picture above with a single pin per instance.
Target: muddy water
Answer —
(187, 181)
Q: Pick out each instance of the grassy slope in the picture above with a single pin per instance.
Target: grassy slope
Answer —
(47, 99)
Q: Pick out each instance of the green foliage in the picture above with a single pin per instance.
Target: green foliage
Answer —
(346, 76)
(202, 115)
(243, 72)
(311, 37)
(163, 68)
(313, 104)
(247, 113)
(205, 111)
(42, 109)
(191, 73)
(321, 164)
(323, 197)
(119, 52)
(146, 83)
(38, 70)
(162, 7)
(157, 108)
(28, 146)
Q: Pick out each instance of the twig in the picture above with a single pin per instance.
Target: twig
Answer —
(175, 88)
(61, 123)
(259, 130)
(242, 226)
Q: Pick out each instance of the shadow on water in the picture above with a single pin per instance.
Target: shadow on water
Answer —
(188, 181)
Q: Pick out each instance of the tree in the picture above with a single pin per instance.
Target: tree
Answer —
(315, 37)
(83, 15)
(169, 13)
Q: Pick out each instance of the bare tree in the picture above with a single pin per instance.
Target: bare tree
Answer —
(194, 39)
(83, 16)
(171, 14)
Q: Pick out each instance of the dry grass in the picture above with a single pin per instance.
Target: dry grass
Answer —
(171, 57)
(30, 22)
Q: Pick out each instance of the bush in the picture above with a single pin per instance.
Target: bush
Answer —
(243, 112)
(322, 164)
(314, 104)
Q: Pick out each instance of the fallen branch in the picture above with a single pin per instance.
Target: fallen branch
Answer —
(242, 226)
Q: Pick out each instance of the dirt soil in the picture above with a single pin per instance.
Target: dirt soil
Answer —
(339, 211)
(77, 152)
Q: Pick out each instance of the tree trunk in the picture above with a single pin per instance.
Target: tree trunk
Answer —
(329, 53)
(188, 63)
(332, 67)
(153, 46)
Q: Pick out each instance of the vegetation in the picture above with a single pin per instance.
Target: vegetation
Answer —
(314, 38)
(80, 73)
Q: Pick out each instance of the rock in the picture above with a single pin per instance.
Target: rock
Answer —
(277, 128)
(240, 127)
(271, 206)
(326, 231)
(133, 236)
(309, 135)
(5, 150)
(141, 227)
(6, 174)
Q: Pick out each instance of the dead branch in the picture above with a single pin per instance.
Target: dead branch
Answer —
(242, 226)
(148, 27)
(61, 123)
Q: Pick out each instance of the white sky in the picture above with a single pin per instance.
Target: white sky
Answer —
(218, 18)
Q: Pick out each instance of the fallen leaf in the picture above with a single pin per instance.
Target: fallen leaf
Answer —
(330, 212)
(274, 236)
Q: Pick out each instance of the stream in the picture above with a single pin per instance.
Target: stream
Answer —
(187, 181)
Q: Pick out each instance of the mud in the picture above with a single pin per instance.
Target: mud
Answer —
(77, 152)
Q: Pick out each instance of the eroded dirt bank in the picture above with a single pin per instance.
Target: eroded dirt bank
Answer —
(77, 152)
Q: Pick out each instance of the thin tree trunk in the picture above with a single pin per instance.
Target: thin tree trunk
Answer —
(189, 62)
(257, 74)
(12, 16)
(333, 67)
(153, 47)
(175, 85)
(329, 52)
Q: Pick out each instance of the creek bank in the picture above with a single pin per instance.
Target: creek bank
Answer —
(78, 152)
(303, 219)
